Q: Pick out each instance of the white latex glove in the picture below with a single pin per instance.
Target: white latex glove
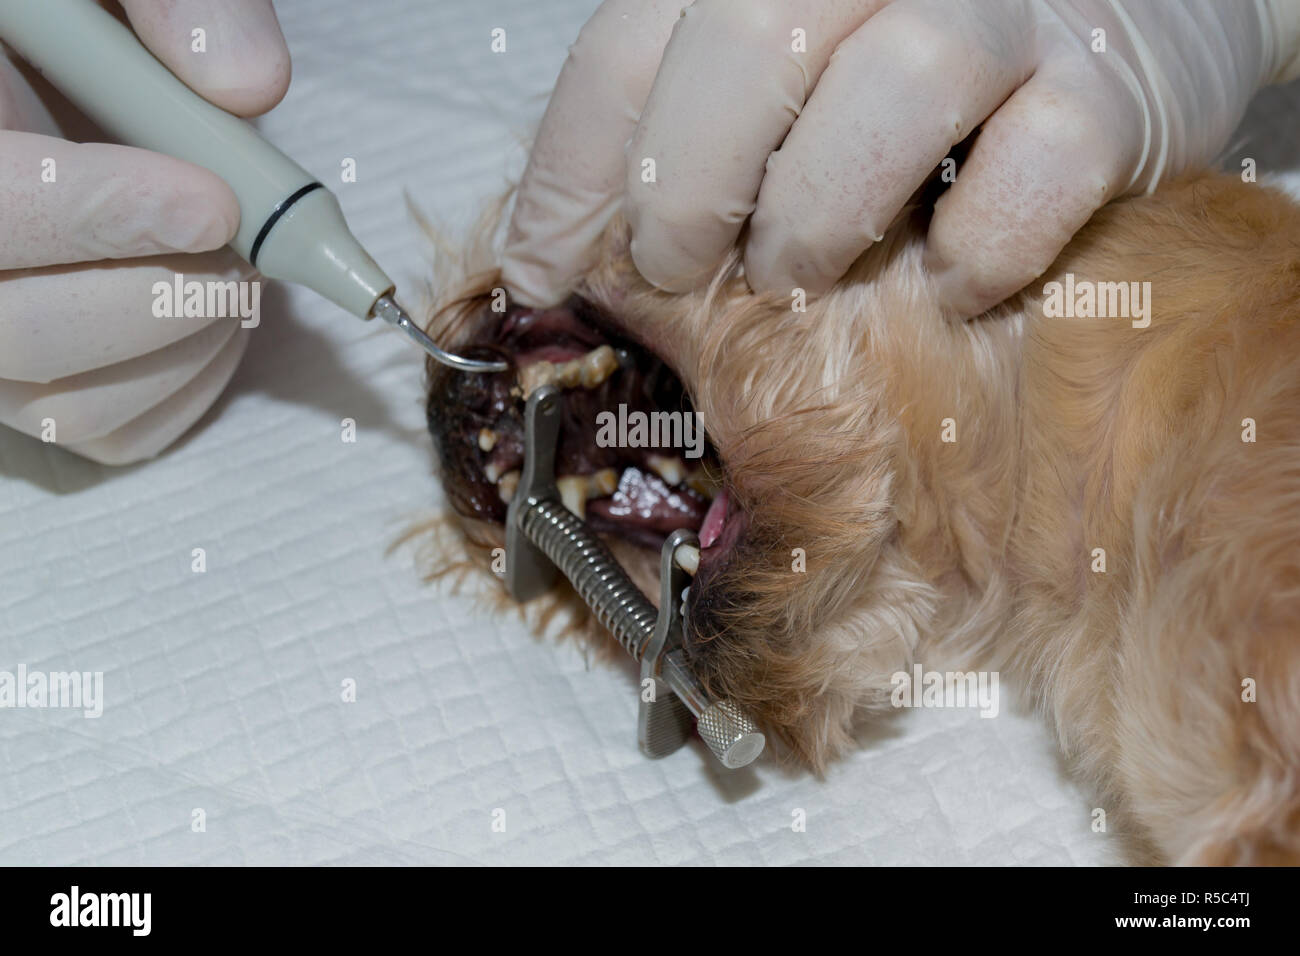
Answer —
(821, 149)
(79, 343)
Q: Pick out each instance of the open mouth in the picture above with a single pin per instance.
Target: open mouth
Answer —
(633, 460)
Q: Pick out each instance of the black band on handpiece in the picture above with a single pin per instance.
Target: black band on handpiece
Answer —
(284, 206)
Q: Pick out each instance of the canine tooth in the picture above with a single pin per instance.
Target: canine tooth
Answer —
(492, 471)
(487, 439)
(597, 365)
(573, 492)
(508, 485)
(577, 490)
(687, 557)
(669, 469)
(602, 483)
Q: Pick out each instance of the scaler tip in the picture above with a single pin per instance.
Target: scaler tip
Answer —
(386, 308)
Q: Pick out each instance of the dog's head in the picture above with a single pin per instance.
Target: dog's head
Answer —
(803, 605)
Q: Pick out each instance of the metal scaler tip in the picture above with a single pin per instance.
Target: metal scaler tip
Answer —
(386, 308)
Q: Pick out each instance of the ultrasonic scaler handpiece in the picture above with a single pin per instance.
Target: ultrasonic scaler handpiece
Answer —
(290, 226)
(542, 535)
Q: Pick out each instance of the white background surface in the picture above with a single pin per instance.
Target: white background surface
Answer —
(223, 689)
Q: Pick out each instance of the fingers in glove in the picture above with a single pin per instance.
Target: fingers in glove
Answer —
(734, 77)
(899, 92)
(243, 64)
(63, 202)
(63, 320)
(574, 180)
(95, 403)
(148, 434)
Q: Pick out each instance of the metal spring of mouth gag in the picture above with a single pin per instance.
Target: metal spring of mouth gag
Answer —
(543, 536)
(602, 584)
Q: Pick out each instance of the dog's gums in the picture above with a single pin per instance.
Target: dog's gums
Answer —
(1100, 510)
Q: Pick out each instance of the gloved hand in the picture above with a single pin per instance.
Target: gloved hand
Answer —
(79, 341)
(821, 149)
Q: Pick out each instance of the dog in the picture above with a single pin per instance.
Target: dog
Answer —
(1102, 508)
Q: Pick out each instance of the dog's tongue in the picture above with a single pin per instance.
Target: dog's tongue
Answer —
(714, 519)
(642, 500)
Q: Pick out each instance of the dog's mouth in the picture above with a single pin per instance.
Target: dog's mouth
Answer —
(633, 459)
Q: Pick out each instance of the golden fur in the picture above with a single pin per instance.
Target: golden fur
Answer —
(1071, 434)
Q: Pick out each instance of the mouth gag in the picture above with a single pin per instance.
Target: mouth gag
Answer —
(543, 537)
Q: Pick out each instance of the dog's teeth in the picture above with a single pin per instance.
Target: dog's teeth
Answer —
(573, 492)
(598, 365)
(602, 483)
(588, 371)
(577, 490)
(568, 373)
(669, 469)
(687, 557)
(508, 485)
(532, 377)
(492, 471)
(698, 480)
(487, 439)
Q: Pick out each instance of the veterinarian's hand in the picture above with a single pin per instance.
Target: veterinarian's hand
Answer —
(818, 119)
(87, 229)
